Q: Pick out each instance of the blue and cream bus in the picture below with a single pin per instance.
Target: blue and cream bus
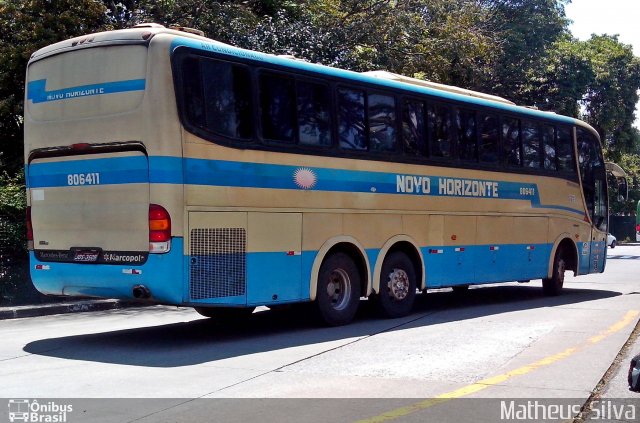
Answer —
(165, 166)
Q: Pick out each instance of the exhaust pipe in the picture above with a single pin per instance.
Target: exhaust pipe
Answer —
(141, 292)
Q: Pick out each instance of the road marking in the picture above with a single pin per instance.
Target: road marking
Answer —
(628, 318)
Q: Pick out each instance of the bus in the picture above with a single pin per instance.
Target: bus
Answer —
(168, 167)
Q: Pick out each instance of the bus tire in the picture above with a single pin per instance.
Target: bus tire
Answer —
(553, 286)
(397, 286)
(225, 313)
(338, 292)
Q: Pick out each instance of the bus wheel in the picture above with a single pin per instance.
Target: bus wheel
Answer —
(338, 293)
(225, 313)
(553, 285)
(397, 286)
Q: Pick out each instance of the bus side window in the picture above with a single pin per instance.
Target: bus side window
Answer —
(413, 128)
(382, 122)
(530, 144)
(314, 114)
(439, 121)
(227, 98)
(351, 119)
(511, 142)
(549, 147)
(277, 104)
(467, 135)
(565, 151)
(489, 136)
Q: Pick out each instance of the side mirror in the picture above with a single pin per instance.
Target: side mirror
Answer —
(623, 189)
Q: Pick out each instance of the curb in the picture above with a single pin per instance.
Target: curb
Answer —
(20, 312)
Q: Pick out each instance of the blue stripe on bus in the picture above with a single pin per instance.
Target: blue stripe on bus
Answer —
(37, 91)
(117, 170)
(228, 50)
(275, 277)
(170, 170)
(161, 274)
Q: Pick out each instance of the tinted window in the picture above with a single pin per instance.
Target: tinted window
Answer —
(314, 114)
(511, 142)
(489, 136)
(351, 119)
(549, 147)
(565, 151)
(278, 108)
(382, 122)
(440, 131)
(593, 176)
(530, 144)
(192, 92)
(218, 97)
(413, 128)
(467, 135)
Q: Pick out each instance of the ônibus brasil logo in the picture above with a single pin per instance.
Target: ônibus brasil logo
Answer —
(24, 410)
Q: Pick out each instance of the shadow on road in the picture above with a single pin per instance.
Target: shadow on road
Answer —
(203, 340)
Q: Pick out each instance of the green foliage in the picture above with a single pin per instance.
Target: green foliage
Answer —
(13, 248)
(26, 27)
(13, 206)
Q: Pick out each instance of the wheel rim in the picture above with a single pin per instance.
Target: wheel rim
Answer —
(398, 284)
(339, 289)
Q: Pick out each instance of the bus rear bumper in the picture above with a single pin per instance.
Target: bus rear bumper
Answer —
(161, 275)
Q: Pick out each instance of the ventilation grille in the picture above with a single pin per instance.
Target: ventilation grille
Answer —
(218, 263)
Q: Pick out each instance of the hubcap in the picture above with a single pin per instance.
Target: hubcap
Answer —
(398, 284)
(339, 289)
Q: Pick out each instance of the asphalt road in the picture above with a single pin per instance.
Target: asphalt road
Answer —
(453, 357)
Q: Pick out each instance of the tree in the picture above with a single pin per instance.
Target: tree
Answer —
(526, 31)
(26, 27)
(610, 100)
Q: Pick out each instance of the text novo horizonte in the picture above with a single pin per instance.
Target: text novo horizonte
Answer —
(411, 184)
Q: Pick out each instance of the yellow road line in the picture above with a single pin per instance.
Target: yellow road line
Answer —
(630, 317)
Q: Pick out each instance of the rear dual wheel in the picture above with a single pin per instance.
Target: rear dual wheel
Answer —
(339, 287)
(397, 286)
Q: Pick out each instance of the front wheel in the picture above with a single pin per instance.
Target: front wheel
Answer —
(613, 244)
(553, 285)
(338, 294)
(397, 286)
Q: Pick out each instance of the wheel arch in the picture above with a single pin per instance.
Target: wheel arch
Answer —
(570, 253)
(354, 249)
(407, 245)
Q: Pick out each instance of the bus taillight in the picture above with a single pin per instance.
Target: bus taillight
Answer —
(638, 228)
(159, 229)
(29, 229)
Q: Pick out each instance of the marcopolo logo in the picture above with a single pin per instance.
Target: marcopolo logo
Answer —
(24, 410)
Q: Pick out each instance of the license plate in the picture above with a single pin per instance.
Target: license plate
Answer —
(86, 256)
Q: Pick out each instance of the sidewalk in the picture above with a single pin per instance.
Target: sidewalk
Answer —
(66, 307)
(614, 386)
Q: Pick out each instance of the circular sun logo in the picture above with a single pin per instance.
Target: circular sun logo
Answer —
(305, 178)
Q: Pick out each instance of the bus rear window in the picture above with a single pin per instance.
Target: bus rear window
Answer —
(98, 81)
